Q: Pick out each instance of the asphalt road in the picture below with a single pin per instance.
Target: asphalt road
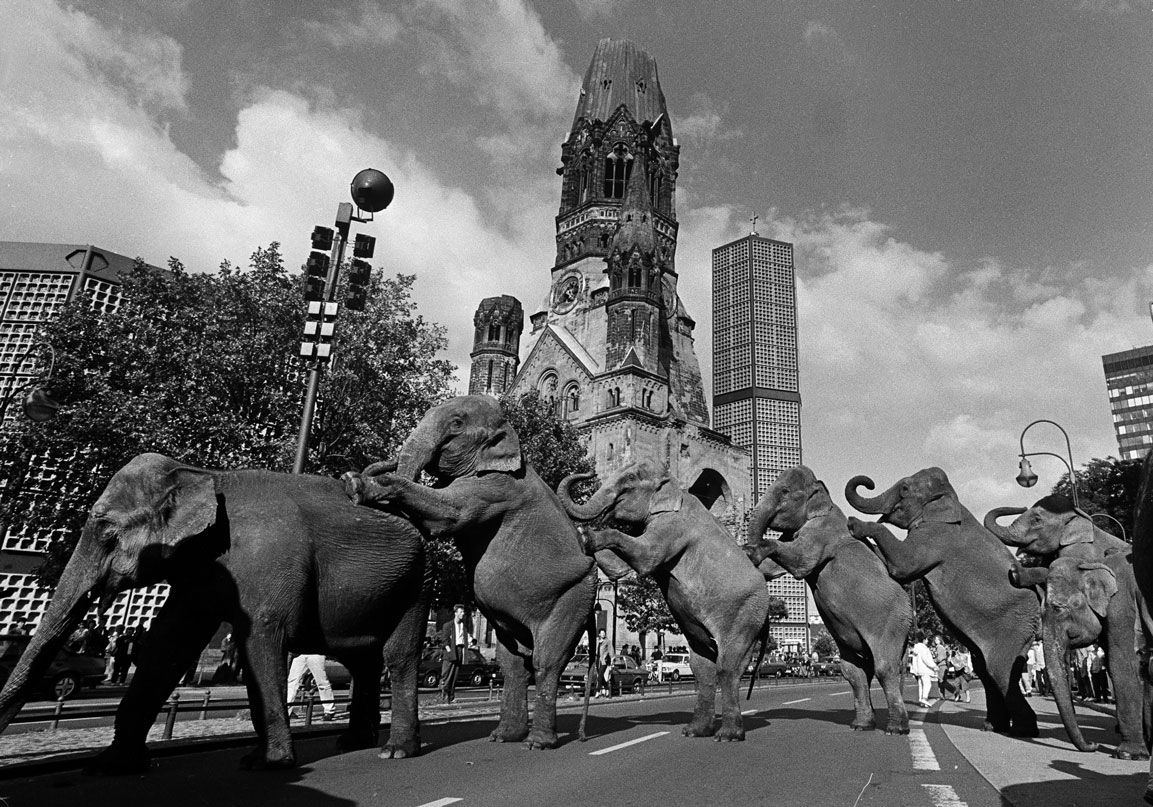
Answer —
(799, 751)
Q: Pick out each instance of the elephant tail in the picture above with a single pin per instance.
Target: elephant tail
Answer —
(764, 637)
(591, 629)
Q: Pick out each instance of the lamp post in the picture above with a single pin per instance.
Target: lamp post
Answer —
(1120, 526)
(372, 191)
(39, 406)
(1027, 479)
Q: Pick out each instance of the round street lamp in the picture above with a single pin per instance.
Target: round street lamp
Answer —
(39, 405)
(1027, 479)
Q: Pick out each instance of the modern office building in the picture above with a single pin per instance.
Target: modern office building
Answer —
(36, 281)
(756, 397)
(1129, 379)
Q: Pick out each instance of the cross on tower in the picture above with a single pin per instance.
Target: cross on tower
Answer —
(753, 218)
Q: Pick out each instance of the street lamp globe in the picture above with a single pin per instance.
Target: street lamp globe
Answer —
(372, 190)
(1026, 478)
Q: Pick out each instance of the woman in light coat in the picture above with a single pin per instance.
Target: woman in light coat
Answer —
(924, 668)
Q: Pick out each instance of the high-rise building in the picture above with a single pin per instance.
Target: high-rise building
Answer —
(612, 343)
(36, 281)
(756, 397)
(1129, 379)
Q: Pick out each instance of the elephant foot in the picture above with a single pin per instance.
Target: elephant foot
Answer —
(1024, 731)
(1134, 751)
(695, 729)
(539, 740)
(863, 725)
(399, 750)
(897, 728)
(505, 734)
(997, 729)
(730, 734)
(356, 740)
(261, 760)
(120, 761)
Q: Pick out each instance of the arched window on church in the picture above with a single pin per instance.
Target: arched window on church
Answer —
(655, 186)
(494, 331)
(572, 399)
(636, 272)
(549, 387)
(618, 166)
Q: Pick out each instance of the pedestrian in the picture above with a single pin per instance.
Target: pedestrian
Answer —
(940, 658)
(314, 663)
(1081, 672)
(1099, 674)
(923, 668)
(637, 654)
(1040, 676)
(960, 673)
(110, 655)
(96, 640)
(453, 640)
(121, 656)
(604, 665)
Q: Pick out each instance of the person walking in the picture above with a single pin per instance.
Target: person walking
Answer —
(923, 668)
(454, 639)
(1040, 676)
(941, 659)
(314, 663)
(122, 656)
(604, 665)
(110, 655)
(960, 673)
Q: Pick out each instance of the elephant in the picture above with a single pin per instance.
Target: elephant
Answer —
(286, 559)
(1143, 575)
(867, 612)
(529, 573)
(717, 597)
(1090, 595)
(966, 572)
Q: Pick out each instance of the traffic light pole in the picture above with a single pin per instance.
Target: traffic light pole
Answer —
(343, 222)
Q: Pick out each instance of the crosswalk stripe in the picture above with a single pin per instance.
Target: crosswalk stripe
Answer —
(441, 802)
(944, 796)
(646, 738)
(923, 758)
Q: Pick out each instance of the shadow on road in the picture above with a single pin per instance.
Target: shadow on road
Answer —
(1087, 789)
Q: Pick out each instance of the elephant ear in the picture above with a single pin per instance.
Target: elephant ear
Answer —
(1099, 584)
(501, 451)
(819, 502)
(1077, 530)
(188, 506)
(942, 509)
(666, 498)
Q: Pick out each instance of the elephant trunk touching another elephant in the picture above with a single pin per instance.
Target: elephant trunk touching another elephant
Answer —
(1056, 645)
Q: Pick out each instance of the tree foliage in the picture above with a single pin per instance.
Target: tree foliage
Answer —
(643, 607)
(1109, 486)
(205, 368)
(823, 644)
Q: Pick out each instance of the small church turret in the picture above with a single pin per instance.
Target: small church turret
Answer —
(495, 355)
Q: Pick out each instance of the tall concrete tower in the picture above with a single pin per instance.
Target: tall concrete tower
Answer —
(495, 355)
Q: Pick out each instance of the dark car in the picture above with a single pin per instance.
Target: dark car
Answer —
(475, 669)
(829, 667)
(68, 673)
(627, 675)
(771, 667)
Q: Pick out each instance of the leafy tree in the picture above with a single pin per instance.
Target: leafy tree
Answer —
(1108, 486)
(823, 644)
(925, 616)
(205, 368)
(778, 612)
(643, 606)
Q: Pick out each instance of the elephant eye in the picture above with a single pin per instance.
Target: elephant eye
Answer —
(455, 425)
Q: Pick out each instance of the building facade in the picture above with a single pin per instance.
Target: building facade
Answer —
(612, 343)
(1129, 380)
(36, 281)
(756, 395)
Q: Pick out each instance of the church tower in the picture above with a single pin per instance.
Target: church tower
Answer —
(495, 345)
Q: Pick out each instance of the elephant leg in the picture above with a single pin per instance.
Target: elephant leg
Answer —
(862, 698)
(1128, 691)
(703, 722)
(513, 724)
(402, 649)
(172, 644)
(1009, 712)
(888, 671)
(266, 678)
(729, 668)
(553, 643)
(364, 706)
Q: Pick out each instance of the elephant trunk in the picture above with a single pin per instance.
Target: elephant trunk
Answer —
(1057, 667)
(874, 505)
(591, 510)
(759, 520)
(70, 602)
(383, 467)
(1003, 535)
(416, 453)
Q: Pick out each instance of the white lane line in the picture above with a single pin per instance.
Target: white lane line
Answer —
(944, 796)
(646, 738)
(749, 712)
(441, 802)
(923, 758)
(790, 703)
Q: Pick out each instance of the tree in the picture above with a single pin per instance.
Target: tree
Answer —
(1107, 486)
(778, 612)
(643, 606)
(205, 368)
(823, 644)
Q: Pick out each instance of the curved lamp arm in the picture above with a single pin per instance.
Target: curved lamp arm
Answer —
(1026, 478)
(1124, 536)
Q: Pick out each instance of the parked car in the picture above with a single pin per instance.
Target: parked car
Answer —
(68, 672)
(771, 667)
(475, 669)
(827, 667)
(627, 675)
(573, 675)
(673, 667)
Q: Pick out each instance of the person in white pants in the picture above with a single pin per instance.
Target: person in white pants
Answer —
(314, 663)
(924, 667)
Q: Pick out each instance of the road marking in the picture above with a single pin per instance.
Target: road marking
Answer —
(441, 802)
(609, 750)
(923, 759)
(749, 712)
(944, 796)
(790, 703)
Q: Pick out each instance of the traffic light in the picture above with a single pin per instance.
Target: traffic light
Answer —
(364, 246)
(315, 276)
(358, 274)
(322, 238)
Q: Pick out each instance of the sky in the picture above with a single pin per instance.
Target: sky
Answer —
(968, 184)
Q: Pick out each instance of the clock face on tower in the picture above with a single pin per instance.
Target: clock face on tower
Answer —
(565, 295)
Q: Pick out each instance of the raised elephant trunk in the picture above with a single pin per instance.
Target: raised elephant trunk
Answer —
(1003, 535)
(759, 521)
(591, 510)
(70, 603)
(1057, 667)
(875, 505)
(415, 454)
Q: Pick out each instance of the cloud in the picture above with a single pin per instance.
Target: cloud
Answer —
(824, 41)
(1110, 8)
(597, 9)
(704, 125)
(368, 25)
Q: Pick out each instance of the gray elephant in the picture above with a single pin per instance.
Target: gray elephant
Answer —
(1090, 595)
(866, 611)
(718, 598)
(966, 572)
(286, 559)
(1143, 574)
(529, 573)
